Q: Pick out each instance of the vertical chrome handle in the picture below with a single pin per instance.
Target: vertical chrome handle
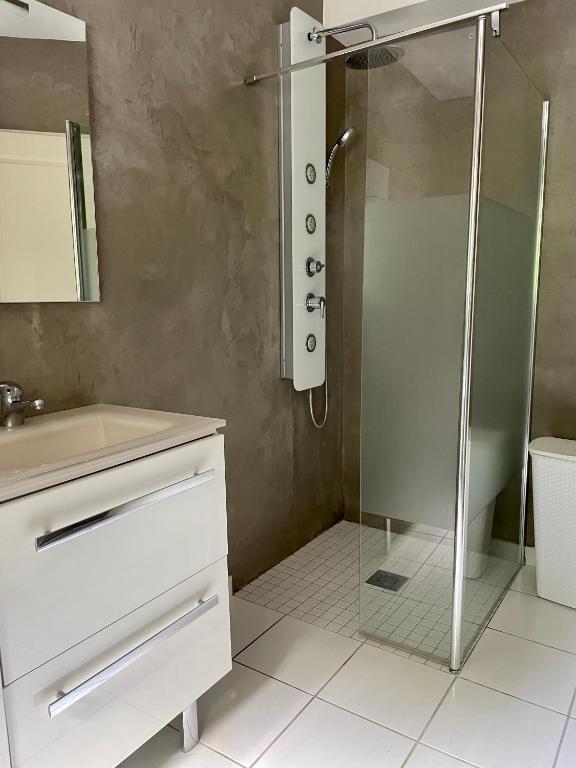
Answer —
(68, 699)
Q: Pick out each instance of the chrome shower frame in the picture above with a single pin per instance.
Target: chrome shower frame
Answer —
(461, 528)
(487, 20)
(459, 653)
(492, 12)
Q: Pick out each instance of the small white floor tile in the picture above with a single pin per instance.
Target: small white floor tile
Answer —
(163, 751)
(525, 581)
(299, 654)
(425, 757)
(538, 620)
(567, 756)
(492, 730)
(248, 621)
(388, 689)
(323, 736)
(244, 712)
(533, 672)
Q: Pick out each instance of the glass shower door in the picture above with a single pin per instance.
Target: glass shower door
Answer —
(419, 123)
(502, 349)
(419, 120)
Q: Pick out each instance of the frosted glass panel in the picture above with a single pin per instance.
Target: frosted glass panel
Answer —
(419, 116)
(413, 305)
(506, 277)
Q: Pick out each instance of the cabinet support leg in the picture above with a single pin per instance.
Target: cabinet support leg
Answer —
(189, 728)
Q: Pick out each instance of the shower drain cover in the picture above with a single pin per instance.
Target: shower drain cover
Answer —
(387, 580)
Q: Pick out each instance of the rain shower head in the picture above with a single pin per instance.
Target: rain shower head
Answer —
(374, 58)
(341, 141)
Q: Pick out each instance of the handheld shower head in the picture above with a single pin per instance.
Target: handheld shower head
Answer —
(346, 136)
(341, 141)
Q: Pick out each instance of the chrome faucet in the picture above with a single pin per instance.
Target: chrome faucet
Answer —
(12, 406)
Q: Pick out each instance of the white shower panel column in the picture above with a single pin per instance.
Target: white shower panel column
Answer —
(303, 198)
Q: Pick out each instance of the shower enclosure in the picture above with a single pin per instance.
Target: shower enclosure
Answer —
(444, 197)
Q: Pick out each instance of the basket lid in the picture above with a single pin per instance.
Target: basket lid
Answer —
(554, 447)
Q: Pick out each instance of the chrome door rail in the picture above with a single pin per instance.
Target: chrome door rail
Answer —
(538, 250)
(492, 11)
(461, 527)
(69, 532)
(68, 699)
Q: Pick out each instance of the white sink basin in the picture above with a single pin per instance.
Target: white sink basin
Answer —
(62, 446)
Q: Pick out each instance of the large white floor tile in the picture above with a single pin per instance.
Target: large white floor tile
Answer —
(525, 581)
(567, 756)
(248, 621)
(163, 751)
(324, 736)
(492, 730)
(243, 713)
(539, 674)
(425, 757)
(388, 689)
(538, 620)
(299, 654)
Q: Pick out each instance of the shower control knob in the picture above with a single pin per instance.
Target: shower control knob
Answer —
(315, 302)
(310, 224)
(313, 267)
(310, 342)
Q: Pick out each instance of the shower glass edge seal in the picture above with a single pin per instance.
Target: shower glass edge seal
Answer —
(463, 477)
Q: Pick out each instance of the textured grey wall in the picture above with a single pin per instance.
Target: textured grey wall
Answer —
(43, 83)
(186, 190)
(540, 34)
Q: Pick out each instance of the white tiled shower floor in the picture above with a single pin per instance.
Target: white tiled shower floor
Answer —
(319, 584)
(301, 695)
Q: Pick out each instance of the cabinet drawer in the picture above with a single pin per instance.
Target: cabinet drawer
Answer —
(95, 704)
(77, 557)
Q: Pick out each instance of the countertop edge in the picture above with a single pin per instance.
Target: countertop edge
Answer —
(19, 488)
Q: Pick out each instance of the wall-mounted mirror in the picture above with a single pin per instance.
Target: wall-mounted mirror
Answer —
(47, 216)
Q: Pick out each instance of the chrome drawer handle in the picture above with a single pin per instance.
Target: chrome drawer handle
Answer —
(69, 532)
(68, 699)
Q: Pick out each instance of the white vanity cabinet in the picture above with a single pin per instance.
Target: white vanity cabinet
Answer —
(113, 605)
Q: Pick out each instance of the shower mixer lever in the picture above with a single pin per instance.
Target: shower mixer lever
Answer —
(315, 302)
(313, 267)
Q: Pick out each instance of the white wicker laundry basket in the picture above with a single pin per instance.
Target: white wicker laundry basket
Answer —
(554, 493)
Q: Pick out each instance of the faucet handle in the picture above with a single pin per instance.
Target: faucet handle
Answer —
(10, 392)
(313, 267)
(315, 302)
